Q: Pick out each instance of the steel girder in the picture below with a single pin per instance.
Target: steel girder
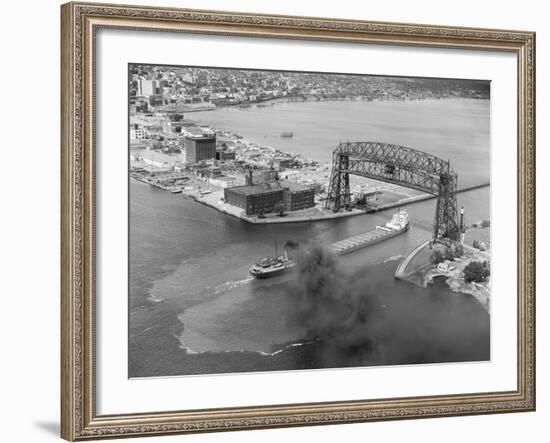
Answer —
(339, 183)
(399, 165)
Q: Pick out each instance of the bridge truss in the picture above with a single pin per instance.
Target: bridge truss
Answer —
(401, 166)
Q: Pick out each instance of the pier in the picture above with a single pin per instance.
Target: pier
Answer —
(402, 272)
(212, 200)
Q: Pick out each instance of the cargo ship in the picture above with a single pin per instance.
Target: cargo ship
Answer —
(398, 224)
(272, 266)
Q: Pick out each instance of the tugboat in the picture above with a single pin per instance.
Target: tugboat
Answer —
(272, 266)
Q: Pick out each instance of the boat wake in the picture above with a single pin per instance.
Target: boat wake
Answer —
(229, 285)
(190, 351)
(289, 346)
(393, 258)
(154, 299)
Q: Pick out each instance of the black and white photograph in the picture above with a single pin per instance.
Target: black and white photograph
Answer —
(275, 221)
(283, 220)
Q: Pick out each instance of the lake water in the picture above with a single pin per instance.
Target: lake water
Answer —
(194, 309)
(455, 129)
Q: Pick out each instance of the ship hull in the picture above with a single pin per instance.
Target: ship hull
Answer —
(381, 238)
(364, 240)
(269, 274)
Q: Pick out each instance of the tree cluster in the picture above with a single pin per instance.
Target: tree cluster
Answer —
(454, 250)
(479, 245)
(476, 271)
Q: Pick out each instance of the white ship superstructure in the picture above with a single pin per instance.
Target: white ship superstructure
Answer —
(399, 220)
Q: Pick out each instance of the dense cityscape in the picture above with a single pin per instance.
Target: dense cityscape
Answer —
(170, 88)
(246, 179)
(166, 88)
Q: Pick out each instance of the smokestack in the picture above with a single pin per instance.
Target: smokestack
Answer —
(250, 181)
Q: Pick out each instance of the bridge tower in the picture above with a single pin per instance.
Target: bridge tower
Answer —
(339, 182)
(402, 166)
(446, 223)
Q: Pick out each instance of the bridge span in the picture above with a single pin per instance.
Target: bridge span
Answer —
(402, 166)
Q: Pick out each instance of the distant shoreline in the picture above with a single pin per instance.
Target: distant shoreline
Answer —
(275, 100)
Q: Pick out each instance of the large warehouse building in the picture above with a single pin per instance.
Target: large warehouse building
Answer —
(263, 198)
(297, 196)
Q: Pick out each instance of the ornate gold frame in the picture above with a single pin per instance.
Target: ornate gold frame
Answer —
(79, 21)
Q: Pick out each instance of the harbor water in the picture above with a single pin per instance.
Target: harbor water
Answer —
(194, 309)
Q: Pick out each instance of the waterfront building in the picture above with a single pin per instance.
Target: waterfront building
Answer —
(263, 198)
(255, 199)
(199, 147)
(297, 197)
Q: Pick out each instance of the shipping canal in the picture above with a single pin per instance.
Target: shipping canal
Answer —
(194, 308)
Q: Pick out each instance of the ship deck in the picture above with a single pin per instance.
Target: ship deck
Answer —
(351, 244)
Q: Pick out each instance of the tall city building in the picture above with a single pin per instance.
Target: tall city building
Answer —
(199, 147)
(147, 87)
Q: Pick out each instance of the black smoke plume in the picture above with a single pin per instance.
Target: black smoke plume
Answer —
(355, 320)
(333, 312)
